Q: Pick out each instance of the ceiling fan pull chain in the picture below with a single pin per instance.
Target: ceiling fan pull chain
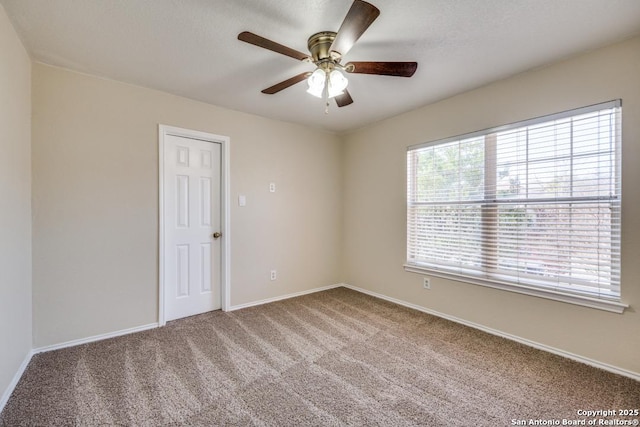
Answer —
(326, 94)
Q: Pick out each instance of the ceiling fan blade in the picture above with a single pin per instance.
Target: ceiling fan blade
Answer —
(285, 84)
(398, 69)
(358, 19)
(344, 99)
(257, 40)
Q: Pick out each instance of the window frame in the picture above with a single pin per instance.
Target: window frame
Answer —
(608, 304)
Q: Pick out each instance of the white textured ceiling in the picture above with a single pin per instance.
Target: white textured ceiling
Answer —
(190, 47)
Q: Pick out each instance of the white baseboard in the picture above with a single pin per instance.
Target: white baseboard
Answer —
(16, 378)
(539, 346)
(282, 297)
(94, 338)
(81, 341)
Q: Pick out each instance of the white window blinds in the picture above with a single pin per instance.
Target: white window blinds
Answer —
(534, 204)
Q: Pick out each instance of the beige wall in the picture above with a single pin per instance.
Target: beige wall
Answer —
(15, 203)
(95, 202)
(374, 204)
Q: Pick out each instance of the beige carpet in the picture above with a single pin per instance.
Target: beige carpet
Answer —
(328, 359)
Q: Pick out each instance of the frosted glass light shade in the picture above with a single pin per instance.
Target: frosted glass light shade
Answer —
(316, 83)
(337, 83)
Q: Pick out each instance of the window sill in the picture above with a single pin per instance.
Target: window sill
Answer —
(600, 304)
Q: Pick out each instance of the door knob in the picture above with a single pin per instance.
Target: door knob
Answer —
(217, 235)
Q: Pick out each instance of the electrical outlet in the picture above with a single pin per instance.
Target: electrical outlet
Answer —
(426, 283)
(274, 274)
(272, 187)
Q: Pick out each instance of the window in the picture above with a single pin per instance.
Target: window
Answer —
(532, 207)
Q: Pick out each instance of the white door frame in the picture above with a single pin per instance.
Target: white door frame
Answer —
(225, 254)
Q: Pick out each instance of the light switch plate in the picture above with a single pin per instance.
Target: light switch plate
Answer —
(242, 200)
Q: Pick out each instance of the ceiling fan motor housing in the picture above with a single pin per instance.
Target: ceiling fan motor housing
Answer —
(319, 45)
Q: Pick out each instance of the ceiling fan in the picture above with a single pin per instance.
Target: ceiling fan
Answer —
(327, 49)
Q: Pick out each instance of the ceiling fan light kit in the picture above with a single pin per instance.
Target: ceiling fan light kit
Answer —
(323, 83)
(327, 49)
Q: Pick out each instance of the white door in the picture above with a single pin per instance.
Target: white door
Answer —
(192, 210)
